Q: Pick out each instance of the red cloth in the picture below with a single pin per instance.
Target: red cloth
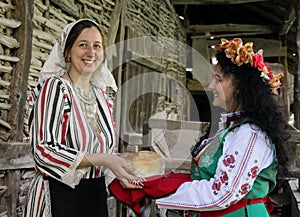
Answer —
(153, 187)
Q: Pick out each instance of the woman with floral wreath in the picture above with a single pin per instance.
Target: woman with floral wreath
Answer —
(234, 171)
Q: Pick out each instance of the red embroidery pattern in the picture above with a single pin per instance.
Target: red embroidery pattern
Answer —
(224, 178)
(229, 161)
(222, 181)
(216, 186)
(245, 188)
(253, 172)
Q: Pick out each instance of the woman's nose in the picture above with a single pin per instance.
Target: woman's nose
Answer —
(91, 51)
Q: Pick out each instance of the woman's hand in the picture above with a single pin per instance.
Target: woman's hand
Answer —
(121, 167)
(124, 171)
(126, 184)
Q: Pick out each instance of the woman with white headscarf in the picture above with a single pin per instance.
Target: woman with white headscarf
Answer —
(72, 129)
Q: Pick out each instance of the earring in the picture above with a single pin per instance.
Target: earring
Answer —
(68, 59)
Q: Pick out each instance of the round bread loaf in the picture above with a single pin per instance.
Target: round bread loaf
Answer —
(148, 163)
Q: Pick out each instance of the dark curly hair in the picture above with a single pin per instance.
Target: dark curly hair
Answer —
(254, 97)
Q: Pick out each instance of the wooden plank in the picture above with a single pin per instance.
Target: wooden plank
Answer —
(6, 7)
(229, 27)
(269, 51)
(68, 6)
(294, 185)
(208, 2)
(175, 125)
(294, 135)
(9, 42)
(9, 58)
(15, 156)
(9, 22)
(133, 138)
(147, 62)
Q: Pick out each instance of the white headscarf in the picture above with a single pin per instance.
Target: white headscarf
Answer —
(55, 64)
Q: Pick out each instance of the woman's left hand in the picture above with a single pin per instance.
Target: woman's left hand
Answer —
(125, 184)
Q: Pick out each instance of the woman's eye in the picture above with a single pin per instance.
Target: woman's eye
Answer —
(98, 46)
(218, 80)
(82, 45)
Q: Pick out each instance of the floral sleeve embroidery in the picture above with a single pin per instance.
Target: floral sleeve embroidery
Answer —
(244, 156)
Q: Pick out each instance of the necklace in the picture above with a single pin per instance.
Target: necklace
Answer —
(88, 105)
(84, 96)
(70, 77)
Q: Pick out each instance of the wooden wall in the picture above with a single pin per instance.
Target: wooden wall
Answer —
(152, 45)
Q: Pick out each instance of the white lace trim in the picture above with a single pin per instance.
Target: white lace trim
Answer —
(74, 175)
(47, 211)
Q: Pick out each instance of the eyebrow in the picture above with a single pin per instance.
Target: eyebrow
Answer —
(87, 41)
(217, 75)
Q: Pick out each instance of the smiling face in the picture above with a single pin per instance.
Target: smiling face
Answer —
(86, 53)
(223, 90)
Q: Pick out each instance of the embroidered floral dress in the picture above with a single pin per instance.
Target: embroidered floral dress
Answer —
(61, 135)
(238, 162)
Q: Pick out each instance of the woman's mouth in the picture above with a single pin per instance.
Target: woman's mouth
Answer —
(89, 61)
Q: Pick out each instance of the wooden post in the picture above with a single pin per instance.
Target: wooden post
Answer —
(297, 74)
(19, 80)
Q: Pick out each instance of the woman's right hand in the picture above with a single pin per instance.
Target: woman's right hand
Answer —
(121, 167)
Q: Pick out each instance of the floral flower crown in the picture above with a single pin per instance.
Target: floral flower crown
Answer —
(244, 54)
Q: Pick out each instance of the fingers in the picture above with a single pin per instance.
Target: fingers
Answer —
(123, 169)
(126, 184)
(130, 170)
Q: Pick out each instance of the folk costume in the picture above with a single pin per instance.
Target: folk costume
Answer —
(65, 123)
(233, 172)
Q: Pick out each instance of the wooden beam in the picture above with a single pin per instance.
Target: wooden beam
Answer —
(229, 27)
(269, 51)
(19, 82)
(297, 74)
(290, 18)
(207, 2)
(15, 156)
(228, 35)
(177, 125)
(267, 14)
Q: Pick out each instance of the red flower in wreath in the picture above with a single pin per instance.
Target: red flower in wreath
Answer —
(258, 61)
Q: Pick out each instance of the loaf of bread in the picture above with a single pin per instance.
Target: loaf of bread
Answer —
(148, 163)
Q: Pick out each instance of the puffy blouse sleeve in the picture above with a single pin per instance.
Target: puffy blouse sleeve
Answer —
(246, 152)
(49, 110)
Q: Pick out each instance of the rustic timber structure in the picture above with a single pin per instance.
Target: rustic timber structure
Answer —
(149, 82)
